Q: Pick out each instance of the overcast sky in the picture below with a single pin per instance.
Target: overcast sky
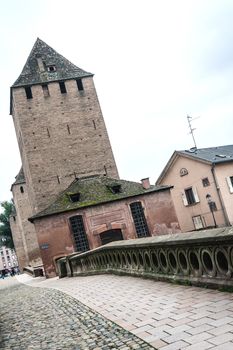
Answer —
(155, 62)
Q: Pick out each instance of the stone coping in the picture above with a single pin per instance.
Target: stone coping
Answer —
(196, 237)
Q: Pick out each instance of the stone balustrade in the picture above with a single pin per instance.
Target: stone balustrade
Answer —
(200, 258)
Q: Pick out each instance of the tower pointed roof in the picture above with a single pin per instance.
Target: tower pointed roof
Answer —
(44, 65)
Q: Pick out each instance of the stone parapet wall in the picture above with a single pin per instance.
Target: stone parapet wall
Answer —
(201, 258)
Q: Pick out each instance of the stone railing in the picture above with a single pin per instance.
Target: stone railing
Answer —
(200, 258)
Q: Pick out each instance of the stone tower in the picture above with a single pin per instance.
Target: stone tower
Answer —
(59, 125)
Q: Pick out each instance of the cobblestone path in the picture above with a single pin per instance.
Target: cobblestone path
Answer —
(41, 318)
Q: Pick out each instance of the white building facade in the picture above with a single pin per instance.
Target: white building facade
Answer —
(8, 259)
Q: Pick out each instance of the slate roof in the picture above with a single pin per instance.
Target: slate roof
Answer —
(31, 73)
(95, 190)
(215, 155)
(20, 178)
(211, 155)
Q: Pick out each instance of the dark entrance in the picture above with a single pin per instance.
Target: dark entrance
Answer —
(110, 236)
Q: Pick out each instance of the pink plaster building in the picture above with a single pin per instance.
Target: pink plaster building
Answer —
(202, 181)
(96, 210)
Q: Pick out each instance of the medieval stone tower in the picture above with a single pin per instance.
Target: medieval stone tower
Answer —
(59, 127)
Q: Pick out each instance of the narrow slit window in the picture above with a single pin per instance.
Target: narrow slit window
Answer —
(58, 179)
(21, 189)
(28, 92)
(48, 132)
(68, 129)
(79, 84)
(94, 124)
(62, 87)
(45, 89)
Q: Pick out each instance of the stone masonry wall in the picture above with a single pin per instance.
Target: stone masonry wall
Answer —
(60, 136)
(24, 234)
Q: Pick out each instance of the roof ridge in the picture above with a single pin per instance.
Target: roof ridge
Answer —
(32, 73)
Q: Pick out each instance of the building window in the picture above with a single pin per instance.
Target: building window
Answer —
(80, 84)
(230, 183)
(45, 89)
(62, 87)
(79, 233)
(21, 189)
(51, 68)
(190, 196)
(197, 221)
(139, 219)
(205, 182)
(28, 92)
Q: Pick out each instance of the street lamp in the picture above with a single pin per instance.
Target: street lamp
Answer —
(212, 207)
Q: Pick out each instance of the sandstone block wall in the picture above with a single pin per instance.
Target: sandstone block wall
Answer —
(24, 234)
(60, 136)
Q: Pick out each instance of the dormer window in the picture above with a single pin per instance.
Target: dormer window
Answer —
(51, 68)
(74, 197)
(116, 188)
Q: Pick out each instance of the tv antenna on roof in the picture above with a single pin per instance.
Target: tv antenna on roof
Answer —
(190, 119)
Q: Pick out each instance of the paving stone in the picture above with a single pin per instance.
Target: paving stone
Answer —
(41, 318)
(191, 317)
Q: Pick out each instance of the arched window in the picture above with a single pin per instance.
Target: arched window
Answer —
(21, 189)
(139, 219)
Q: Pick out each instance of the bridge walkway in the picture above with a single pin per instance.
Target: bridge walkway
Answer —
(167, 316)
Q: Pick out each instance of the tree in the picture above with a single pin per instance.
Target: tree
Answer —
(5, 229)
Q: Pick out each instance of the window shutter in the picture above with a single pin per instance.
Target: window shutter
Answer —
(184, 199)
(229, 184)
(197, 200)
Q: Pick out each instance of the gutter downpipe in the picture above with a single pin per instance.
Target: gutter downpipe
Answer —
(227, 222)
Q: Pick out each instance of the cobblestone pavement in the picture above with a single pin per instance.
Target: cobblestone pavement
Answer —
(41, 318)
(168, 316)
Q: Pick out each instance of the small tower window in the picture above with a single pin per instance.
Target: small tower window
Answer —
(51, 68)
(45, 89)
(80, 84)
(62, 87)
(21, 189)
(28, 92)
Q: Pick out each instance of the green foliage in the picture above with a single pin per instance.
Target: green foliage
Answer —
(5, 230)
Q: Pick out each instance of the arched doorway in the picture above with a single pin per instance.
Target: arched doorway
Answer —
(111, 236)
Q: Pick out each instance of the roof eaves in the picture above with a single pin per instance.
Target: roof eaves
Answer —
(41, 215)
(52, 81)
(167, 166)
(196, 157)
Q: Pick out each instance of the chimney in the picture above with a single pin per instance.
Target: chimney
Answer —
(145, 183)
